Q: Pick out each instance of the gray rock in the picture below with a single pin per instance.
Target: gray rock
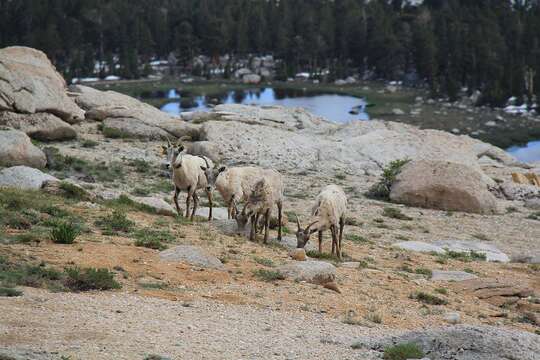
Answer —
(109, 105)
(419, 246)
(515, 191)
(452, 318)
(228, 227)
(491, 251)
(192, 255)
(398, 112)
(350, 264)
(29, 83)
(316, 272)
(526, 258)
(533, 204)
(16, 148)
(290, 243)
(24, 177)
(204, 148)
(160, 206)
(441, 275)
(132, 128)
(251, 79)
(443, 185)
(467, 342)
(39, 126)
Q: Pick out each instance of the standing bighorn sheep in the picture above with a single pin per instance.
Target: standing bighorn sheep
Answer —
(329, 211)
(267, 192)
(190, 173)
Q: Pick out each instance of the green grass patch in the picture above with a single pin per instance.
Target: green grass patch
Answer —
(268, 275)
(264, 261)
(153, 239)
(428, 298)
(442, 291)
(73, 191)
(394, 213)
(78, 279)
(124, 203)
(322, 255)
(403, 351)
(357, 239)
(9, 292)
(424, 271)
(115, 223)
(140, 166)
(140, 191)
(534, 216)
(89, 144)
(64, 233)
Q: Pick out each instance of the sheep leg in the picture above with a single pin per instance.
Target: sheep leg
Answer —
(266, 225)
(176, 191)
(195, 204)
(341, 226)
(280, 208)
(188, 200)
(320, 242)
(253, 230)
(256, 223)
(210, 203)
(333, 242)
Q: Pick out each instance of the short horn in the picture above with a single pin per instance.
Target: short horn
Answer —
(310, 225)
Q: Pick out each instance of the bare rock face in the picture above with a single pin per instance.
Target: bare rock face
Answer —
(316, 272)
(24, 177)
(29, 83)
(192, 255)
(131, 117)
(467, 342)
(293, 139)
(443, 185)
(39, 126)
(498, 292)
(17, 149)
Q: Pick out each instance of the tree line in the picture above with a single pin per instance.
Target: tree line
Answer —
(489, 45)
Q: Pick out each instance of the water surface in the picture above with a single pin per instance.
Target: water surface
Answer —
(333, 107)
(529, 152)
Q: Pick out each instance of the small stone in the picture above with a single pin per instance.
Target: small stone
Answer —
(298, 254)
(452, 318)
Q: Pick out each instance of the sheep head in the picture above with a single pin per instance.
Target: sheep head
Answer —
(171, 151)
(303, 235)
(211, 174)
(241, 217)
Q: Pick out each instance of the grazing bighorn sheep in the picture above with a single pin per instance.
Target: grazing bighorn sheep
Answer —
(329, 211)
(236, 184)
(266, 193)
(190, 173)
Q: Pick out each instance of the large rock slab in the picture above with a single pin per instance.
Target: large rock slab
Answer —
(138, 116)
(132, 128)
(292, 139)
(39, 126)
(158, 205)
(498, 292)
(29, 83)
(466, 246)
(442, 275)
(467, 342)
(24, 177)
(419, 246)
(192, 255)
(16, 148)
(443, 185)
(218, 213)
(316, 272)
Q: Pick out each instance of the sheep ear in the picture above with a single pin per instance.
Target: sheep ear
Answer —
(203, 168)
(222, 169)
(164, 149)
(180, 148)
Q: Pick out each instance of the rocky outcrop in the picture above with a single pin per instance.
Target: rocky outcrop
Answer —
(515, 191)
(30, 84)
(39, 126)
(293, 139)
(192, 255)
(16, 148)
(316, 272)
(498, 292)
(130, 117)
(443, 185)
(466, 342)
(24, 177)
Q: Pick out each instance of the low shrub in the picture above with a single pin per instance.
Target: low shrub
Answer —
(403, 351)
(268, 275)
(78, 279)
(89, 143)
(428, 298)
(9, 292)
(64, 233)
(264, 261)
(395, 214)
(381, 190)
(115, 223)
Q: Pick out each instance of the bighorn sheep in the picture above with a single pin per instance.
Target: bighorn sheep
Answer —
(267, 192)
(329, 211)
(190, 173)
(236, 184)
